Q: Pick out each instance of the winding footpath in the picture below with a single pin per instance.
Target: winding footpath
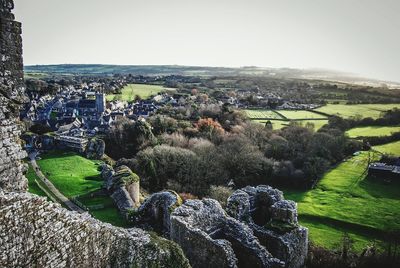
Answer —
(68, 203)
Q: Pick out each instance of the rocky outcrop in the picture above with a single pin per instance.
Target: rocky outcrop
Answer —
(210, 238)
(95, 148)
(156, 211)
(11, 97)
(273, 220)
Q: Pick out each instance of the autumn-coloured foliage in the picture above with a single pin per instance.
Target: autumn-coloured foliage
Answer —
(209, 126)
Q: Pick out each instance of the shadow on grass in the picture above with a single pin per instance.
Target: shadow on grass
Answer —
(348, 227)
(381, 187)
(94, 178)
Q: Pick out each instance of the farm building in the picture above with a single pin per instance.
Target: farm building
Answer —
(384, 169)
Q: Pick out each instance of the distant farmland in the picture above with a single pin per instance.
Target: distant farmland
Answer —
(263, 114)
(372, 131)
(282, 118)
(131, 90)
(392, 148)
(362, 110)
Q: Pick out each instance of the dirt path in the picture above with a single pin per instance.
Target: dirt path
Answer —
(68, 203)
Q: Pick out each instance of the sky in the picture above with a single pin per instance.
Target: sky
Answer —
(357, 36)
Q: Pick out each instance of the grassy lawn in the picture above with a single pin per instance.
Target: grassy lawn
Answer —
(346, 201)
(75, 175)
(372, 131)
(392, 148)
(71, 173)
(107, 212)
(362, 110)
(290, 114)
(131, 90)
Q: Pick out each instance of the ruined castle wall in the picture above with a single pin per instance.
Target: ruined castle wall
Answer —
(11, 96)
(37, 233)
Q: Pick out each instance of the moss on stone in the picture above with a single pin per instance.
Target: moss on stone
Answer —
(280, 227)
(175, 258)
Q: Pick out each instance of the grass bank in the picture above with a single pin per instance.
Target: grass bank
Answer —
(345, 200)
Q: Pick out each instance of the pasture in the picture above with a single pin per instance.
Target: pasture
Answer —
(302, 114)
(129, 92)
(263, 114)
(278, 124)
(357, 110)
(372, 131)
(345, 200)
(392, 148)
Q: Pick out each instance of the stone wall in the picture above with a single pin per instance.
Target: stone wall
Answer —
(37, 233)
(11, 97)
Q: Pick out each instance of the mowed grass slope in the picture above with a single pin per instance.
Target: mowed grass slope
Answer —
(345, 200)
(75, 175)
(392, 148)
(129, 92)
(372, 131)
(71, 173)
(362, 110)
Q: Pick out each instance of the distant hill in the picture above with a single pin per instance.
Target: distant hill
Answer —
(150, 70)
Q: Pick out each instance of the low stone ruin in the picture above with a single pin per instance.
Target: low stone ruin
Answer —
(154, 214)
(210, 238)
(95, 148)
(273, 220)
(124, 186)
(259, 229)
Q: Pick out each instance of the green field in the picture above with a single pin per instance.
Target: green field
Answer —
(372, 131)
(346, 201)
(362, 110)
(74, 175)
(71, 173)
(278, 124)
(265, 114)
(392, 148)
(107, 212)
(282, 118)
(291, 114)
(129, 92)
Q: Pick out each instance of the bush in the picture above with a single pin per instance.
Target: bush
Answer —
(220, 193)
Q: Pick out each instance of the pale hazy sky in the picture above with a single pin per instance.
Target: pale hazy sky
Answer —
(359, 36)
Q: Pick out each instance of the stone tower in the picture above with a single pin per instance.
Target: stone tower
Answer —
(11, 97)
(100, 102)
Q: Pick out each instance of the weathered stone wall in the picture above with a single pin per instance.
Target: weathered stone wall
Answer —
(37, 233)
(11, 96)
